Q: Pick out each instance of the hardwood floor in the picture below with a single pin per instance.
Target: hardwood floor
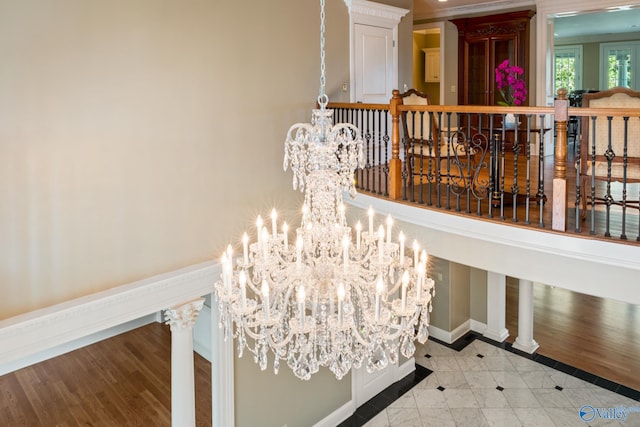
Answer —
(597, 335)
(122, 381)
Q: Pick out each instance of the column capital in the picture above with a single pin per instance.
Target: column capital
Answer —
(183, 316)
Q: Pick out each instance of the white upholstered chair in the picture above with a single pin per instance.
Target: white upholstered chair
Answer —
(612, 166)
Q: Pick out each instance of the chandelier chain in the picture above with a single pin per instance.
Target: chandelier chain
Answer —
(322, 98)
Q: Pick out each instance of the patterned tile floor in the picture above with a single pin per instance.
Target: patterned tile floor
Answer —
(486, 385)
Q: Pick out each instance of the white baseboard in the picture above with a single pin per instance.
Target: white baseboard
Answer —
(406, 368)
(61, 349)
(478, 327)
(461, 330)
(451, 337)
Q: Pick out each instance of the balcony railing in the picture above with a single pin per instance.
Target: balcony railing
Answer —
(463, 159)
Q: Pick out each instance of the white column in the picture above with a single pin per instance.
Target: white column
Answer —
(183, 394)
(525, 341)
(496, 307)
(222, 369)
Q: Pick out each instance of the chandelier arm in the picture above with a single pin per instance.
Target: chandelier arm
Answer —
(399, 329)
(395, 287)
(251, 282)
(278, 346)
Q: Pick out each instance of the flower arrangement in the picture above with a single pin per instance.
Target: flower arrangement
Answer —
(511, 87)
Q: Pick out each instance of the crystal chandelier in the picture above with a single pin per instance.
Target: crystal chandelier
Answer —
(324, 299)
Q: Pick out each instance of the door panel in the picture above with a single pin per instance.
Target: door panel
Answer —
(373, 64)
(477, 77)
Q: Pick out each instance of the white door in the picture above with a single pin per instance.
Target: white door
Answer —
(374, 79)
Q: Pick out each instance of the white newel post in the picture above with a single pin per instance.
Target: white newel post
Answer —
(496, 307)
(181, 318)
(525, 341)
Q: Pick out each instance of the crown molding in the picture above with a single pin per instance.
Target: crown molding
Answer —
(491, 6)
(371, 12)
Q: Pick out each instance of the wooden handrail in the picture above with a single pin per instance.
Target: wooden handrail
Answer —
(357, 106)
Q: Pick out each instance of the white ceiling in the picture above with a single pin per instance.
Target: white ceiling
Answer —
(612, 22)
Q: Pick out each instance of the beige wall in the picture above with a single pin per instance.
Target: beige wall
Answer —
(460, 294)
(450, 57)
(590, 66)
(438, 270)
(140, 137)
(123, 132)
(478, 295)
(133, 134)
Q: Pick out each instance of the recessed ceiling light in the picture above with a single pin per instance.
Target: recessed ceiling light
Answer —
(442, 1)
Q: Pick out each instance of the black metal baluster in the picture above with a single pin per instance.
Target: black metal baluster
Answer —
(493, 161)
(608, 199)
(502, 164)
(527, 148)
(420, 157)
(540, 193)
(515, 149)
(385, 140)
(592, 229)
(579, 188)
(623, 234)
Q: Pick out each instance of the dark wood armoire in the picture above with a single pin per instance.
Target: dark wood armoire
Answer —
(483, 43)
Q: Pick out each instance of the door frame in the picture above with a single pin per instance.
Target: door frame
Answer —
(366, 12)
(439, 28)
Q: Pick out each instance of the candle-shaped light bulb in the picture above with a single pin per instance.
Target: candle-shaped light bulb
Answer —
(424, 258)
(341, 210)
(421, 273)
(379, 290)
(358, 235)
(389, 224)
(370, 213)
(230, 257)
(274, 223)
(265, 299)
(405, 284)
(225, 272)
(285, 231)
(259, 224)
(341, 293)
(265, 243)
(345, 252)
(416, 253)
(305, 212)
(380, 243)
(245, 248)
(401, 241)
(299, 245)
(242, 280)
(301, 311)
